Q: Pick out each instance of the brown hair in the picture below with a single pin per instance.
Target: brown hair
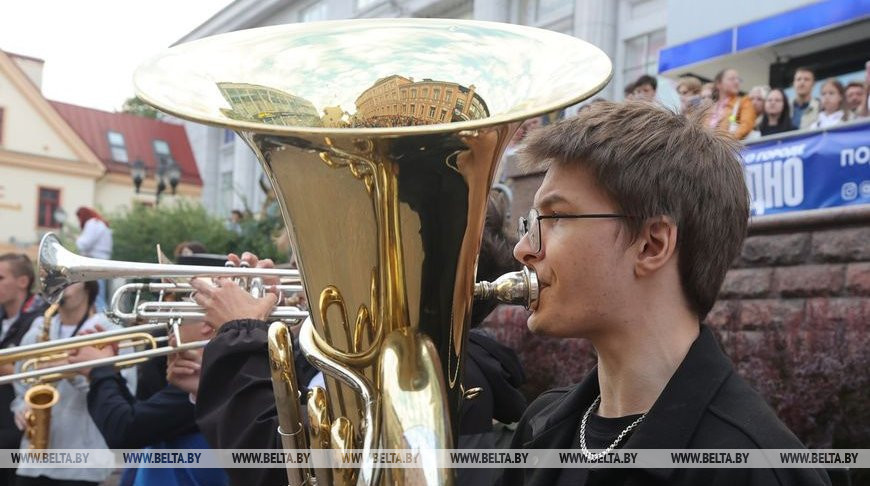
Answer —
(840, 89)
(805, 70)
(20, 265)
(654, 162)
(692, 84)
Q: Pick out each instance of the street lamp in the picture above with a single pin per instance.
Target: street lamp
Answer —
(167, 171)
(138, 173)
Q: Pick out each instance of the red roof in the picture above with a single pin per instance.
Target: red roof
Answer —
(139, 134)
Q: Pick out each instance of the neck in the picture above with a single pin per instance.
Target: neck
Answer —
(72, 316)
(13, 307)
(773, 119)
(801, 99)
(637, 359)
(831, 112)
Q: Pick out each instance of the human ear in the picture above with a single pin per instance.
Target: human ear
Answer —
(657, 244)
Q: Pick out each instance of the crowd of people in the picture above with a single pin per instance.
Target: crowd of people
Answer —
(763, 110)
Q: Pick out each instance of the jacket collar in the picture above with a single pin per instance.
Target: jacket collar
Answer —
(669, 424)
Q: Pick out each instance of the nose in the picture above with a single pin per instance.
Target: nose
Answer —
(523, 251)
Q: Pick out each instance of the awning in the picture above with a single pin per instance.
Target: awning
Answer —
(753, 47)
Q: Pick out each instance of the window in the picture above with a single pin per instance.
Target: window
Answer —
(642, 55)
(460, 104)
(404, 93)
(161, 149)
(436, 93)
(313, 12)
(49, 201)
(431, 112)
(117, 147)
(413, 109)
(413, 93)
(364, 4)
(444, 115)
(229, 136)
(448, 94)
(425, 92)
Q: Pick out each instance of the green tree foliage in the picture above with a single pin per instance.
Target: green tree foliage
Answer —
(258, 237)
(135, 106)
(136, 232)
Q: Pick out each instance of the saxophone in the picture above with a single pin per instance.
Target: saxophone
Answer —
(40, 398)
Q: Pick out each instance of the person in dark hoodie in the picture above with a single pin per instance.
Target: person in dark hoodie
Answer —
(18, 308)
(241, 413)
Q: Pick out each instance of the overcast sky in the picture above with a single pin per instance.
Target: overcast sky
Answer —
(92, 47)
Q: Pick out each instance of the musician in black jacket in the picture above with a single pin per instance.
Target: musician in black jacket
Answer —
(638, 219)
(18, 308)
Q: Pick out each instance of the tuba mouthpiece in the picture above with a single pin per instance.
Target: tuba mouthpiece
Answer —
(514, 288)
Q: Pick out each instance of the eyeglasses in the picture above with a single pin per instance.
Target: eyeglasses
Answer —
(531, 225)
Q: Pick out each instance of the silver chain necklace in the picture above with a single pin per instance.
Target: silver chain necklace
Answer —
(600, 455)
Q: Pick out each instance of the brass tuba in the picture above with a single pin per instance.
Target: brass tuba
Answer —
(381, 139)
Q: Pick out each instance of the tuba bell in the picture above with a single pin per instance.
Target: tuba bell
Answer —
(381, 139)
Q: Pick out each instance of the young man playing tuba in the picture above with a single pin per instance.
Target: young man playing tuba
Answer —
(638, 218)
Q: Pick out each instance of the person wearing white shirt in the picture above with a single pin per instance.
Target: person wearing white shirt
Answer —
(95, 241)
(71, 424)
(833, 110)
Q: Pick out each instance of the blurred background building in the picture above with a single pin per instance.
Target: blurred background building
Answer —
(765, 41)
(56, 157)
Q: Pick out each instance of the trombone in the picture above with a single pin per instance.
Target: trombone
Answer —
(59, 268)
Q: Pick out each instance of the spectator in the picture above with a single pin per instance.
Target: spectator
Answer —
(804, 108)
(95, 241)
(628, 91)
(776, 117)
(856, 97)
(758, 95)
(689, 89)
(834, 109)
(707, 90)
(187, 248)
(234, 224)
(731, 112)
(645, 88)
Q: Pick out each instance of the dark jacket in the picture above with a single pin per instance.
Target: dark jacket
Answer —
(705, 405)
(235, 404)
(34, 306)
(128, 423)
(495, 369)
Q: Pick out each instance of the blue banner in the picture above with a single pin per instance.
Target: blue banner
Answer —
(809, 170)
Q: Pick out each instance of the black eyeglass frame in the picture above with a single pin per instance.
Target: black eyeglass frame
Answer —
(523, 227)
